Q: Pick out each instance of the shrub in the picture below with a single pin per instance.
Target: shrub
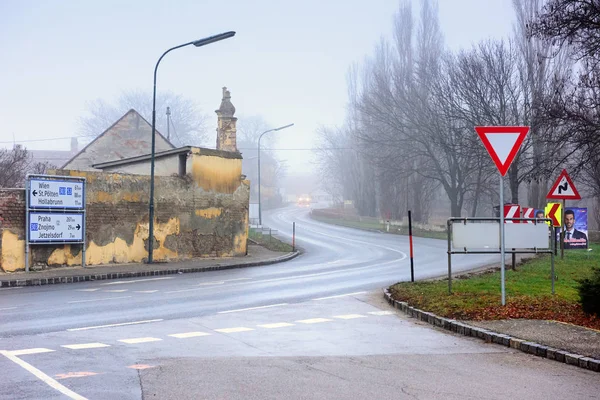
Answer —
(589, 293)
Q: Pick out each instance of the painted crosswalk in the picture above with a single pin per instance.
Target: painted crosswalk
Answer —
(195, 334)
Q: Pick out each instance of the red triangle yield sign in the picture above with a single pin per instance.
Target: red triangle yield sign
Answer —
(563, 188)
(502, 143)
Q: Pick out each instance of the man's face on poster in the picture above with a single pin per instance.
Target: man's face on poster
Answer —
(569, 221)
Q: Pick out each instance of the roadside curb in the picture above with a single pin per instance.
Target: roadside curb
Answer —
(136, 274)
(493, 337)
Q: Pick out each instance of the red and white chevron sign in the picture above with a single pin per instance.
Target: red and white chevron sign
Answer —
(528, 213)
(512, 211)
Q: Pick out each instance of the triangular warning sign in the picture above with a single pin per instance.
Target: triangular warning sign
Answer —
(502, 143)
(563, 188)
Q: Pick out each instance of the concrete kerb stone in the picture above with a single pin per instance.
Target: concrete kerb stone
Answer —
(134, 274)
(493, 337)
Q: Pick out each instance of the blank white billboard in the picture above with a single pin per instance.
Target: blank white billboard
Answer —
(478, 235)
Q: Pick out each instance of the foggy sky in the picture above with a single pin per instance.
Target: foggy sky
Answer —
(287, 63)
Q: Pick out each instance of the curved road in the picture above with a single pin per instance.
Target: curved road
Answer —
(371, 259)
(309, 328)
(335, 261)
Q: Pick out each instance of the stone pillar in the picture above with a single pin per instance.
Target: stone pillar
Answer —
(226, 124)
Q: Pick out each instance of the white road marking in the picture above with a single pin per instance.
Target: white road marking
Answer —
(252, 308)
(189, 335)
(276, 325)
(11, 288)
(141, 366)
(8, 308)
(350, 316)
(224, 281)
(314, 320)
(234, 330)
(115, 290)
(42, 376)
(339, 295)
(24, 352)
(146, 291)
(113, 325)
(137, 280)
(85, 346)
(86, 290)
(381, 312)
(140, 340)
(102, 299)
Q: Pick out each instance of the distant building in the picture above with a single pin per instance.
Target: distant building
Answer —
(55, 158)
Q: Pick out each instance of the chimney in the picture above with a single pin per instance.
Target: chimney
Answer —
(74, 145)
(226, 124)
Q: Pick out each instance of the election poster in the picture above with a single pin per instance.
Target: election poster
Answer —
(575, 225)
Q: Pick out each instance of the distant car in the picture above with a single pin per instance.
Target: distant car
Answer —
(304, 201)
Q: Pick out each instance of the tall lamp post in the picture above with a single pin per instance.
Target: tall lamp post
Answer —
(197, 43)
(260, 137)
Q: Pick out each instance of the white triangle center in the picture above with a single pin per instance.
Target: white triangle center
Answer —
(564, 189)
(502, 143)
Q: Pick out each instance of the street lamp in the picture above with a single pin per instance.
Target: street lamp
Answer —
(197, 43)
(260, 137)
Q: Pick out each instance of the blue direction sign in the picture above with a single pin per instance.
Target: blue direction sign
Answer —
(46, 193)
(54, 227)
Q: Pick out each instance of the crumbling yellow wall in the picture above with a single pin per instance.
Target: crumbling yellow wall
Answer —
(217, 174)
(207, 216)
(13, 252)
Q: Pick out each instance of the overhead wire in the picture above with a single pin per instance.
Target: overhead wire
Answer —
(175, 131)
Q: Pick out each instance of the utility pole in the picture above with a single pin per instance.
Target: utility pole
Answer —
(169, 123)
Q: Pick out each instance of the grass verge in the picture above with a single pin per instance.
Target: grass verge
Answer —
(372, 225)
(528, 292)
(269, 242)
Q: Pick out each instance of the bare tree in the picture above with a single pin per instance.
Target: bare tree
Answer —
(574, 26)
(272, 169)
(188, 123)
(15, 164)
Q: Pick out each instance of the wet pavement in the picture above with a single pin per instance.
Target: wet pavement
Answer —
(313, 327)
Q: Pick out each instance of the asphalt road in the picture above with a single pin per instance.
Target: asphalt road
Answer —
(315, 327)
(335, 261)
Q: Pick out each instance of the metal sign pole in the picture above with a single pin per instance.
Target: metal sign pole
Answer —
(27, 183)
(552, 244)
(562, 231)
(449, 227)
(410, 239)
(502, 241)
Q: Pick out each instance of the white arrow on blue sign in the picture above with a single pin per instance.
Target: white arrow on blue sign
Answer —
(44, 193)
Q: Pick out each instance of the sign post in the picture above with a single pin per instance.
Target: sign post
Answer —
(563, 189)
(55, 212)
(502, 143)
